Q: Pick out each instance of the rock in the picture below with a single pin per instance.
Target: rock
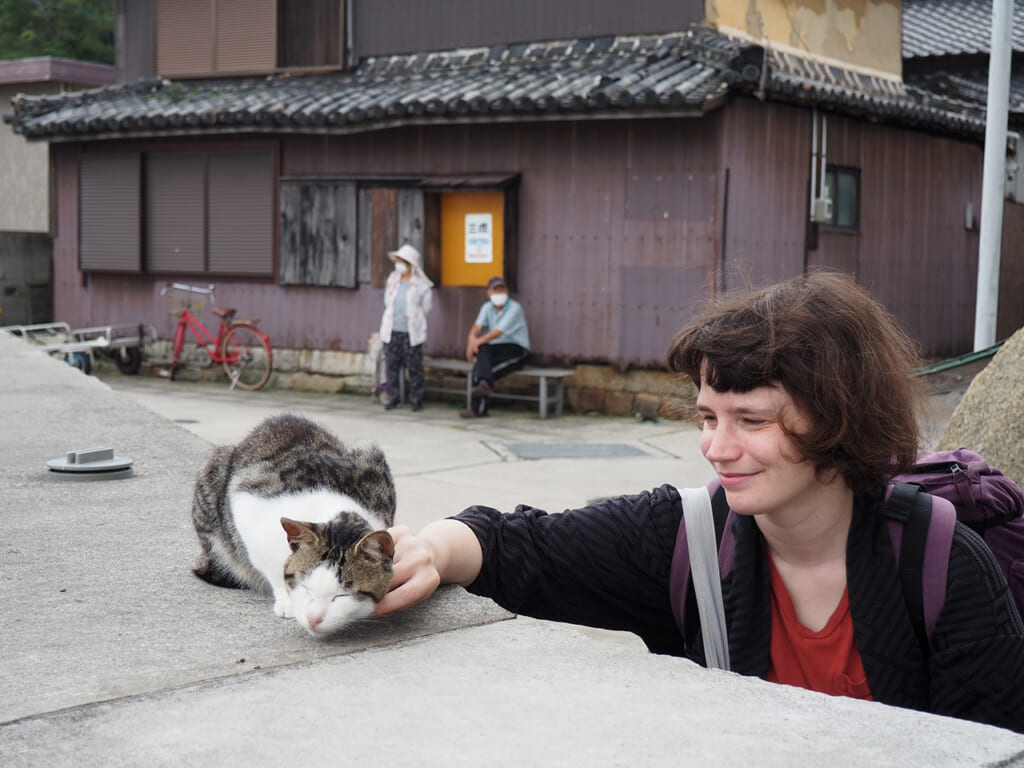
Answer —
(990, 417)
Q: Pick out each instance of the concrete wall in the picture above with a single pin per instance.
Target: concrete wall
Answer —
(25, 271)
(24, 171)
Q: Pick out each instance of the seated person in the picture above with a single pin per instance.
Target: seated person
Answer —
(499, 341)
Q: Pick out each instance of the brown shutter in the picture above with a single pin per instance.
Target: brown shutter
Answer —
(109, 207)
(384, 232)
(246, 36)
(241, 212)
(184, 41)
(175, 206)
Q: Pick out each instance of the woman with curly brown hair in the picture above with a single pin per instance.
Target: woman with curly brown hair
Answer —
(806, 409)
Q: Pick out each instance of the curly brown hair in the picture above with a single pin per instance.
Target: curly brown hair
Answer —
(838, 353)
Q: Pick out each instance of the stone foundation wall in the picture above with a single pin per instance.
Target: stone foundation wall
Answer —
(591, 389)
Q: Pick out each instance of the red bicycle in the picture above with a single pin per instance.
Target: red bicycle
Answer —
(241, 349)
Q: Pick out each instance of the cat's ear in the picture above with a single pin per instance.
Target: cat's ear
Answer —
(299, 533)
(377, 546)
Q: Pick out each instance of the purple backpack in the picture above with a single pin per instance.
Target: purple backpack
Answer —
(923, 507)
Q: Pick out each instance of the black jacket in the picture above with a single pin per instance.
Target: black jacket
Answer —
(607, 565)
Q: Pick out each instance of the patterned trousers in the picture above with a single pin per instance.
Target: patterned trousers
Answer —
(397, 355)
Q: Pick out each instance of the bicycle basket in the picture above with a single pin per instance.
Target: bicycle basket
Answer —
(178, 301)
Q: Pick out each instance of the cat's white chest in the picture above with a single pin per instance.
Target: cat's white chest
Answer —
(258, 522)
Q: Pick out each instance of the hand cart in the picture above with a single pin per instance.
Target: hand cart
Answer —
(122, 343)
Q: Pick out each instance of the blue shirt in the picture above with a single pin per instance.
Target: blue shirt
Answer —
(510, 321)
(401, 321)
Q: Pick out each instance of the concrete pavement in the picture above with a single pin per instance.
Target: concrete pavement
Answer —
(113, 654)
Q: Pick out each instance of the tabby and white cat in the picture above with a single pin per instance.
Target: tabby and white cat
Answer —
(292, 508)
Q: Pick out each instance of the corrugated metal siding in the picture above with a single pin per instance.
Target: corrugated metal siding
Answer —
(1011, 272)
(241, 213)
(183, 44)
(396, 26)
(69, 300)
(109, 200)
(599, 281)
(246, 36)
(912, 250)
(766, 149)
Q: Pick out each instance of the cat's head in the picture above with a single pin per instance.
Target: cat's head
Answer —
(337, 571)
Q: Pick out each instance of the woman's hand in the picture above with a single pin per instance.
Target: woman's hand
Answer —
(415, 576)
(444, 552)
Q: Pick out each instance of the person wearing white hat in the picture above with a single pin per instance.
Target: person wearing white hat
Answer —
(408, 299)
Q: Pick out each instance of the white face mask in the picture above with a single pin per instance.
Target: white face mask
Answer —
(499, 299)
(401, 267)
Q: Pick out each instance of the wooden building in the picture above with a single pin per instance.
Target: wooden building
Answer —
(629, 160)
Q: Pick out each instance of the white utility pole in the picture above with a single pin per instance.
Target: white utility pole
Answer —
(993, 181)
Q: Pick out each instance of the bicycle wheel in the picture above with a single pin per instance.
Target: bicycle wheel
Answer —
(128, 359)
(247, 356)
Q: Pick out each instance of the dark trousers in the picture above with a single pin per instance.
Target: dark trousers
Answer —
(492, 362)
(398, 354)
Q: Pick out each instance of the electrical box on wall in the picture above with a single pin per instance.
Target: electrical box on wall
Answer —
(822, 211)
(1014, 189)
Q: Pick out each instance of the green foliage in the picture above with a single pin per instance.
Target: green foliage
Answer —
(72, 29)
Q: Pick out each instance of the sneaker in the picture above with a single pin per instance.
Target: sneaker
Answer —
(417, 407)
(482, 389)
(390, 406)
(470, 414)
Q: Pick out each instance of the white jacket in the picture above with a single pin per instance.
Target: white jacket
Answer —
(419, 300)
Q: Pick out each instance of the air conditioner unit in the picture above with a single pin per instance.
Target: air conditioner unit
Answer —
(822, 210)
(1014, 189)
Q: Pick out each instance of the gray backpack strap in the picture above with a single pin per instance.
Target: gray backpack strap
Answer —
(707, 581)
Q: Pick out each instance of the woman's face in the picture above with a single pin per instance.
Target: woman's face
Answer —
(757, 462)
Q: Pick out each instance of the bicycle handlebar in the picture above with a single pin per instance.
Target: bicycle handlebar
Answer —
(208, 290)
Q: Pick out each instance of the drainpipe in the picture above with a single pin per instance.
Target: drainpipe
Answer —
(824, 151)
(814, 159)
(350, 34)
(993, 178)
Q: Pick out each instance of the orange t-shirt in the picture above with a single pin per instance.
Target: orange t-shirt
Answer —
(827, 661)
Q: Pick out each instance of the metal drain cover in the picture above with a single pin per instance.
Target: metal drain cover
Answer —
(90, 464)
(574, 450)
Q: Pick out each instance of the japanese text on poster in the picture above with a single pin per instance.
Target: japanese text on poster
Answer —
(479, 238)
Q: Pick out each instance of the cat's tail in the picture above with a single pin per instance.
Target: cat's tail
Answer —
(207, 570)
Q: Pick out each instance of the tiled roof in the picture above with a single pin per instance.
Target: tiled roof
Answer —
(952, 27)
(878, 98)
(689, 72)
(971, 87)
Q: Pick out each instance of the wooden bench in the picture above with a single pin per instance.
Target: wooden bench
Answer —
(546, 396)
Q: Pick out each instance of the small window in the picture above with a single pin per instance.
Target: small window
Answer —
(309, 33)
(842, 187)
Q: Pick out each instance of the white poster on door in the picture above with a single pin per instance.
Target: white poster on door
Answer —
(479, 238)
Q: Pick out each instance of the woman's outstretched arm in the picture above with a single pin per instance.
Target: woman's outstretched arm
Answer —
(444, 552)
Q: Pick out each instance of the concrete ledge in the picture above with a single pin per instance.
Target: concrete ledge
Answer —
(115, 655)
